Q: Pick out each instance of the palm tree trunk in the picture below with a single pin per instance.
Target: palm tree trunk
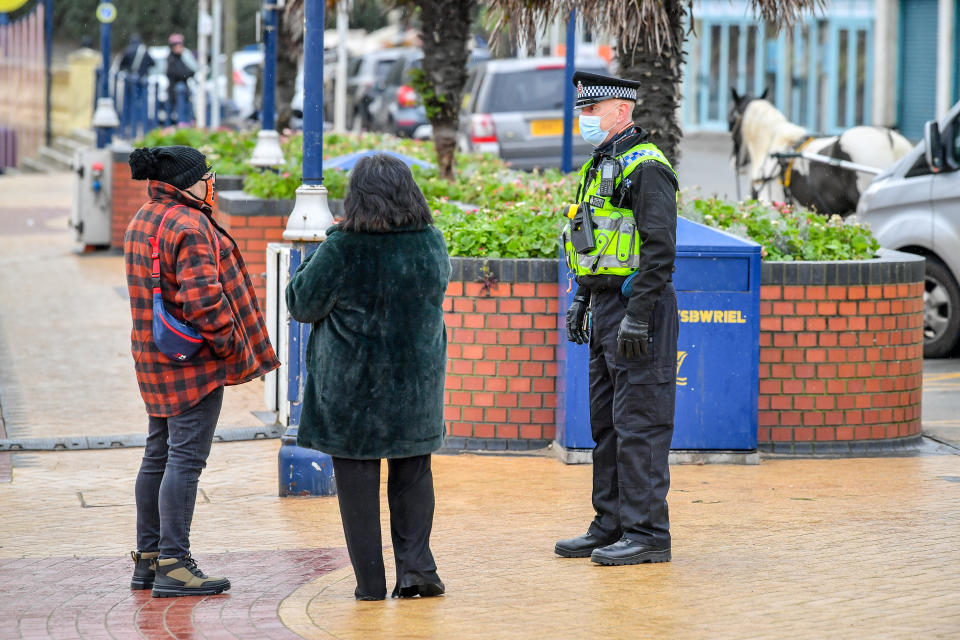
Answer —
(445, 30)
(660, 71)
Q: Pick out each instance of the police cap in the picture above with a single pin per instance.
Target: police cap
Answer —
(593, 88)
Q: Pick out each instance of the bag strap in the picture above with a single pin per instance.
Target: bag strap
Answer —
(155, 251)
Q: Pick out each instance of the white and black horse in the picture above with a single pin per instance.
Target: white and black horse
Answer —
(759, 130)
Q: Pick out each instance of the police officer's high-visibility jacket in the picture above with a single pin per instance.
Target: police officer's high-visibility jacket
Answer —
(616, 239)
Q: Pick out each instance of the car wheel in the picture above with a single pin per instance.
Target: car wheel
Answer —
(941, 311)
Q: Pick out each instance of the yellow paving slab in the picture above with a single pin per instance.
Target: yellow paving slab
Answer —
(859, 548)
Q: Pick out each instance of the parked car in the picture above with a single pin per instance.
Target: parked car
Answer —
(397, 109)
(366, 83)
(914, 206)
(247, 64)
(514, 108)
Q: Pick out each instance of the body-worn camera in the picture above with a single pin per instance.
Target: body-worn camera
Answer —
(581, 229)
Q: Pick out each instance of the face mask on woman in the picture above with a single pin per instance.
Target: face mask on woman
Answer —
(210, 189)
(590, 128)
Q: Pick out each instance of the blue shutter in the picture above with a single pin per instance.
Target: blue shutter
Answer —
(918, 65)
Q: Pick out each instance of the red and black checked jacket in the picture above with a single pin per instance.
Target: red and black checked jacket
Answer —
(222, 307)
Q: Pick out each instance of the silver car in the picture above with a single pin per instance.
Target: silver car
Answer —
(914, 206)
(514, 108)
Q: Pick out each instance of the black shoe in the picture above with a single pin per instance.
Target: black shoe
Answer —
(428, 590)
(182, 577)
(581, 546)
(144, 570)
(629, 552)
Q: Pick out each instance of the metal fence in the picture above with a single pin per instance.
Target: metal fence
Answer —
(24, 89)
(819, 74)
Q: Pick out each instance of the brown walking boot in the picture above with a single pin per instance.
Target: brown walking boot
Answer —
(144, 570)
(182, 577)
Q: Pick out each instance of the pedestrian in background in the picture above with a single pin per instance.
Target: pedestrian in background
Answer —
(621, 246)
(136, 59)
(202, 281)
(181, 65)
(376, 360)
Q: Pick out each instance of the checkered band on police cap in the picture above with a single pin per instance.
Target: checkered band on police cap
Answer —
(593, 88)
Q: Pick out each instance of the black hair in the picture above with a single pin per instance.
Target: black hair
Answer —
(383, 197)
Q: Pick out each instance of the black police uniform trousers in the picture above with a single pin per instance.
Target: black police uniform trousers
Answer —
(631, 419)
(411, 499)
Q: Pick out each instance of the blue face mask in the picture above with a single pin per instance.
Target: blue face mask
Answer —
(590, 128)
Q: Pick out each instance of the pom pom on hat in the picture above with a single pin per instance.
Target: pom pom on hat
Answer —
(178, 165)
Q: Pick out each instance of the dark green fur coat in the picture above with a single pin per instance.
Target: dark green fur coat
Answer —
(377, 353)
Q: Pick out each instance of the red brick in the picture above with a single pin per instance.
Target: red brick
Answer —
(472, 414)
(496, 353)
(509, 337)
(781, 371)
(461, 398)
(846, 370)
(826, 371)
(463, 335)
(544, 385)
(805, 370)
(791, 418)
(482, 337)
(783, 340)
(859, 323)
(495, 384)
(510, 306)
(534, 305)
(836, 387)
(462, 305)
(768, 418)
(792, 293)
(462, 367)
(816, 293)
(520, 416)
(803, 403)
(521, 321)
(461, 429)
(770, 386)
(472, 383)
(543, 416)
(853, 417)
(544, 322)
(451, 413)
(793, 386)
(483, 430)
(507, 400)
(266, 221)
(453, 320)
(827, 308)
(771, 355)
(816, 355)
(856, 293)
(889, 291)
(815, 386)
(861, 433)
(448, 305)
(453, 382)
(769, 292)
(770, 324)
(524, 289)
(816, 324)
(824, 402)
(781, 403)
(806, 308)
(550, 400)
(781, 434)
(534, 337)
(763, 434)
(806, 339)
(473, 352)
(837, 293)
(543, 353)
(866, 308)
(825, 433)
(532, 369)
(508, 369)
(547, 290)
(486, 305)
(802, 434)
(520, 385)
(833, 418)
(507, 431)
(455, 289)
(530, 432)
(783, 308)
(793, 355)
(549, 431)
(793, 324)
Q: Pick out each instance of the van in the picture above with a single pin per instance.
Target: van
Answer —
(914, 206)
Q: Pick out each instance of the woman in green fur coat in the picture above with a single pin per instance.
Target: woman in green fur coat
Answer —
(376, 360)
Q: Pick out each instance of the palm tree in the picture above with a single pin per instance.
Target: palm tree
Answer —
(445, 29)
(650, 35)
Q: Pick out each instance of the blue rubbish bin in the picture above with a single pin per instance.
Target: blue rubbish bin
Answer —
(717, 280)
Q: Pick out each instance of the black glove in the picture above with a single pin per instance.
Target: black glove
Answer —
(633, 338)
(576, 332)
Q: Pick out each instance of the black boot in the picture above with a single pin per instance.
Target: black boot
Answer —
(144, 570)
(182, 577)
(581, 546)
(428, 590)
(629, 552)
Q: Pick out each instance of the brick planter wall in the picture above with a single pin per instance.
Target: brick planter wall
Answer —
(841, 354)
(502, 361)
(127, 194)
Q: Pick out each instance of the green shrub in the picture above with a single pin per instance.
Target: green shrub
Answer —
(226, 151)
(786, 233)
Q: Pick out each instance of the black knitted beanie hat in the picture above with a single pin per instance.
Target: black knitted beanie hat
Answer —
(178, 165)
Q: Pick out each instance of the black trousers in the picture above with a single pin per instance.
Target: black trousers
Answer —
(410, 495)
(631, 419)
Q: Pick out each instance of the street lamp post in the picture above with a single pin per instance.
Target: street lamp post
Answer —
(267, 152)
(105, 118)
(305, 471)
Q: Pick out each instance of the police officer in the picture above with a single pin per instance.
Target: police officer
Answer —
(621, 246)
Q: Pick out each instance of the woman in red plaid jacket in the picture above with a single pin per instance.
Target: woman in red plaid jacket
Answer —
(204, 283)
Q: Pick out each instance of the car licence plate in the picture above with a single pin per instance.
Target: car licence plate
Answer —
(552, 127)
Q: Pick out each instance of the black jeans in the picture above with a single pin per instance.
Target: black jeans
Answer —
(175, 454)
(410, 494)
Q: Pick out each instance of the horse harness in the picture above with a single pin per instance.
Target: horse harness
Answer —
(784, 173)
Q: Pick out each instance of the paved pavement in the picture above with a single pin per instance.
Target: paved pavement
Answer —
(845, 548)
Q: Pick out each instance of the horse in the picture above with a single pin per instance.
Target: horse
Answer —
(758, 130)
